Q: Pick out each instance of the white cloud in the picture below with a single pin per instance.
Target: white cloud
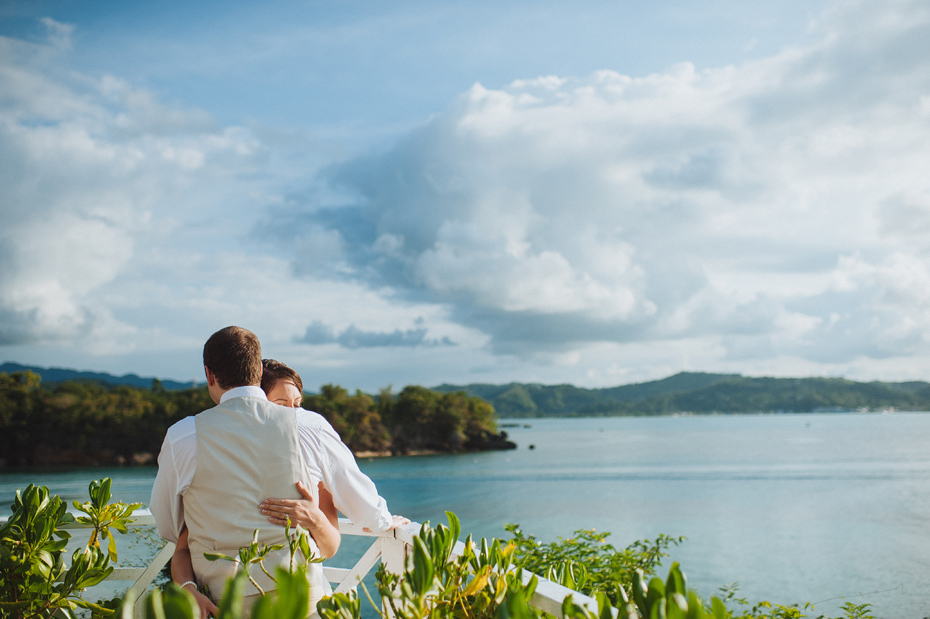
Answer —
(727, 203)
(765, 217)
(59, 34)
(84, 163)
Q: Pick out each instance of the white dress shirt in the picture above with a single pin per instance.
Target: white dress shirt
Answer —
(326, 456)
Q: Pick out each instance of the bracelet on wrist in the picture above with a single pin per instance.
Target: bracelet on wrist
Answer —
(189, 582)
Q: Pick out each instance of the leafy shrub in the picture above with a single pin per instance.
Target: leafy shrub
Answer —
(34, 582)
(587, 563)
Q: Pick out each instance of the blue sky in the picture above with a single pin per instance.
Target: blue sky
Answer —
(424, 192)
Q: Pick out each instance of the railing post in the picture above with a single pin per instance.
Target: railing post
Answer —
(137, 592)
(394, 559)
(393, 553)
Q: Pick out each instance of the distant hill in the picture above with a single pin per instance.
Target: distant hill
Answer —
(686, 392)
(59, 375)
(698, 392)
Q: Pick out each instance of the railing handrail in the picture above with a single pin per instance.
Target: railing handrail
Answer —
(389, 546)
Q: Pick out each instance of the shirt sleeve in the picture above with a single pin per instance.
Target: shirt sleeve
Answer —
(166, 504)
(176, 463)
(354, 494)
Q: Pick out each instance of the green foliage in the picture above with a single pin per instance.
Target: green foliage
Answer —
(104, 425)
(34, 581)
(478, 584)
(416, 420)
(670, 599)
(292, 600)
(101, 515)
(858, 611)
(95, 424)
(356, 418)
(587, 563)
(423, 419)
(767, 610)
(298, 544)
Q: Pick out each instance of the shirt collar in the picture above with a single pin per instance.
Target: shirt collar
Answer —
(249, 391)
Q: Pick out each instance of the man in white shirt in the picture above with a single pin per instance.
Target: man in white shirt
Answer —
(215, 468)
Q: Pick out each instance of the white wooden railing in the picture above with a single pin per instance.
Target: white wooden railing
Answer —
(390, 548)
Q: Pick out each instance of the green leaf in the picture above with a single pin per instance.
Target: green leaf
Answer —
(515, 606)
(656, 592)
(103, 492)
(531, 585)
(154, 606)
(676, 582)
(570, 610)
(94, 576)
(604, 607)
(230, 606)
(455, 526)
(657, 610)
(479, 582)
(96, 608)
(423, 568)
(111, 548)
(179, 603)
(676, 606)
(304, 545)
(639, 593)
(293, 595)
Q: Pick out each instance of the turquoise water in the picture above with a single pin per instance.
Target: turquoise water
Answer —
(795, 508)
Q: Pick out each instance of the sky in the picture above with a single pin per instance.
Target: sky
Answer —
(597, 193)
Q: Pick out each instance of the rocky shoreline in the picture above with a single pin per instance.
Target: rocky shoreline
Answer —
(105, 458)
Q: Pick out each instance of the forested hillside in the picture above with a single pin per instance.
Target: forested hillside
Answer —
(51, 376)
(89, 423)
(701, 393)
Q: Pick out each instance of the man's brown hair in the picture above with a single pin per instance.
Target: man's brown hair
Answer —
(273, 371)
(234, 355)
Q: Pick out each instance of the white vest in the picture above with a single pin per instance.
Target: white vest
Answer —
(247, 451)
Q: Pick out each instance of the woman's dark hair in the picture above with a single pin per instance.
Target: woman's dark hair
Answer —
(273, 371)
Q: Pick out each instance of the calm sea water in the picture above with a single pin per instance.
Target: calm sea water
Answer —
(795, 508)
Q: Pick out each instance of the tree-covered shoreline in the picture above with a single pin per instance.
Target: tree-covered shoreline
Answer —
(86, 423)
(701, 393)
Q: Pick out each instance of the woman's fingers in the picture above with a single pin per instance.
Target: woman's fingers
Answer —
(279, 505)
(278, 512)
(279, 516)
(298, 511)
(285, 502)
(210, 606)
(206, 605)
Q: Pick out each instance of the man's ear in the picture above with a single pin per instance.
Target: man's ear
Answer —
(211, 379)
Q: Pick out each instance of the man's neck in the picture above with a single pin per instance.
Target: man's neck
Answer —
(252, 391)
